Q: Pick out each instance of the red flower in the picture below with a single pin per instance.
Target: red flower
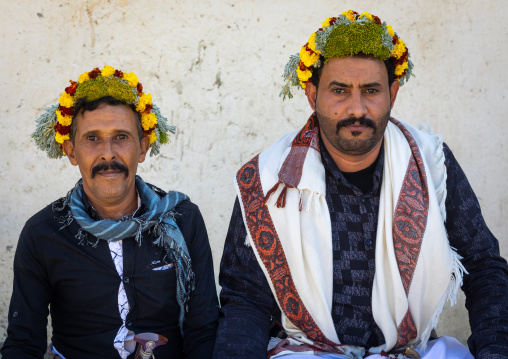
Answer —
(149, 131)
(302, 66)
(376, 19)
(140, 89)
(72, 88)
(67, 111)
(147, 110)
(118, 74)
(94, 73)
(63, 130)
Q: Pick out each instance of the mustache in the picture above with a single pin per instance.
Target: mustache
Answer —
(113, 165)
(364, 121)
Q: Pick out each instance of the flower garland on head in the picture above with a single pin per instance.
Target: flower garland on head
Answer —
(54, 125)
(347, 35)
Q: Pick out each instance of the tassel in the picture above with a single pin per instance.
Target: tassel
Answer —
(281, 201)
(300, 202)
(274, 188)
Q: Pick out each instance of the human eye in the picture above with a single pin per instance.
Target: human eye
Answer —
(371, 91)
(338, 90)
(91, 138)
(121, 136)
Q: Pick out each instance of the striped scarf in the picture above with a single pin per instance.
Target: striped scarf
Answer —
(159, 219)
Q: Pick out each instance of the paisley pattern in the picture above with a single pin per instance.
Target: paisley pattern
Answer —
(409, 223)
(307, 135)
(272, 254)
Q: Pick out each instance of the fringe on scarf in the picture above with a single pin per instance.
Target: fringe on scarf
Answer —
(450, 295)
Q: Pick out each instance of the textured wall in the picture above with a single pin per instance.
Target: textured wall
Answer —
(214, 68)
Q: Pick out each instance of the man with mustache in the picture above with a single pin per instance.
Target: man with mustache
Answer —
(119, 261)
(351, 233)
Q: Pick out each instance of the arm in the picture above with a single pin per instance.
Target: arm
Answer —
(200, 324)
(486, 285)
(246, 299)
(28, 310)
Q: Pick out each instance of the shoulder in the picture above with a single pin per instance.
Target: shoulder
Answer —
(51, 213)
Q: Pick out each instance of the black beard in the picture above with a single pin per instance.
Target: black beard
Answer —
(353, 146)
(113, 165)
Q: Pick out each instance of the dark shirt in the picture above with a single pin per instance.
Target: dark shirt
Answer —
(80, 283)
(248, 304)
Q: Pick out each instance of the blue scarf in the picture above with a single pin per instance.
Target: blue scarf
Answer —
(159, 219)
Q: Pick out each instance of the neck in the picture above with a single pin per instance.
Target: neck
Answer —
(348, 163)
(115, 209)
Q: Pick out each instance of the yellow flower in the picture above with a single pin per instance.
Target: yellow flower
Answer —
(131, 78)
(303, 75)
(61, 138)
(153, 137)
(390, 30)
(148, 121)
(66, 100)
(83, 77)
(398, 49)
(368, 16)
(349, 14)
(107, 71)
(303, 84)
(62, 119)
(143, 100)
(326, 23)
(308, 57)
(312, 43)
(399, 70)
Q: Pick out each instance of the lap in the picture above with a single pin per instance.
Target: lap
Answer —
(444, 347)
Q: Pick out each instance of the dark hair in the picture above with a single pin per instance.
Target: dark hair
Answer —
(316, 73)
(82, 105)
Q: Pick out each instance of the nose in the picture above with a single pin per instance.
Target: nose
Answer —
(108, 151)
(356, 106)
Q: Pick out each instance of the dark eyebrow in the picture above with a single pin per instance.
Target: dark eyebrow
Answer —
(117, 132)
(368, 85)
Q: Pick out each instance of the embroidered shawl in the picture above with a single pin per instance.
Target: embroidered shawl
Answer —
(282, 192)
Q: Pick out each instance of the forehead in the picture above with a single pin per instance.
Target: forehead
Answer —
(107, 118)
(355, 70)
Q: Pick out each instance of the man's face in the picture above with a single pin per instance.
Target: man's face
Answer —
(107, 150)
(353, 104)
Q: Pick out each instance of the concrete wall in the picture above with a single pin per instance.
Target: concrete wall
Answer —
(214, 67)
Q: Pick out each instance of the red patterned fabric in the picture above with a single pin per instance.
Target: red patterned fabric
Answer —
(272, 254)
(409, 223)
(291, 170)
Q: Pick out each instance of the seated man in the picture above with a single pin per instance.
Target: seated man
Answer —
(116, 257)
(352, 232)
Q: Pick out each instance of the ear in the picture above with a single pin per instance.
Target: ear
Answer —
(394, 89)
(145, 145)
(310, 92)
(68, 148)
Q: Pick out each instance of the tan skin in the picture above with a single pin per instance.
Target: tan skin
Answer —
(106, 134)
(352, 87)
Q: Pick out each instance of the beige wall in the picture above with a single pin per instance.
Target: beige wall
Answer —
(214, 67)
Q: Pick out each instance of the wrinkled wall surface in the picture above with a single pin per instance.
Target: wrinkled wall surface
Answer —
(214, 68)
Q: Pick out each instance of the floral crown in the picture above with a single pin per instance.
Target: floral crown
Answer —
(345, 36)
(54, 125)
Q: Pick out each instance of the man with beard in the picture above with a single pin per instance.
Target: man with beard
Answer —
(118, 260)
(351, 233)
